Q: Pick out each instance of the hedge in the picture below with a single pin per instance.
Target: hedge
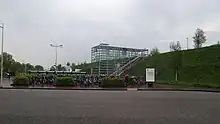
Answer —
(64, 81)
(29, 75)
(20, 81)
(112, 82)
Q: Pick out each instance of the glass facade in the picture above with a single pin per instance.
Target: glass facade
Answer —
(105, 57)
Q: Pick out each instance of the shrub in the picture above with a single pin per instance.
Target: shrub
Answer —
(64, 81)
(30, 75)
(20, 81)
(112, 82)
(129, 81)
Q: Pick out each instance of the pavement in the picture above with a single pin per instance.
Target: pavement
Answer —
(19, 106)
(6, 82)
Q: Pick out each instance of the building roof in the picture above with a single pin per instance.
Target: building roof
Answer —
(69, 72)
(107, 46)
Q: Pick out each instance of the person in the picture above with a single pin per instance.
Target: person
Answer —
(126, 79)
(85, 83)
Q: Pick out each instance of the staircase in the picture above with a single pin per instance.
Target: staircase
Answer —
(107, 67)
(126, 66)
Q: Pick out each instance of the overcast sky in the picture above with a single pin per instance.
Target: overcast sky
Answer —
(31, 25)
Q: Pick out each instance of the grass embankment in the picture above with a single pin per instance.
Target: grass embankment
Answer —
(179, 84)
(196, 67)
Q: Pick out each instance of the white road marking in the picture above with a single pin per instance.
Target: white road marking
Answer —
(132, 89)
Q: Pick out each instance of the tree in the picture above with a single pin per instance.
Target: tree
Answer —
(12, 66)
(67, 64)
(16, 68)
(199, 38)
(63, 68)
(73, 65)
(8, 62)
(175, 46)
(39, 67)
(154, 51)
(52, 68)
(59, 67)
(29, 67)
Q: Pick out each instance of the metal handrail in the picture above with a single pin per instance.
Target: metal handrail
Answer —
(124, 66)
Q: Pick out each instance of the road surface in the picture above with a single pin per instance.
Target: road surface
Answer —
(108, 107)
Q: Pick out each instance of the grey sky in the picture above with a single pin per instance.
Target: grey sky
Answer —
(31, 25)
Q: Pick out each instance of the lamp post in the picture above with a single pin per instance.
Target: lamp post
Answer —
(2, 27)
(56, 46)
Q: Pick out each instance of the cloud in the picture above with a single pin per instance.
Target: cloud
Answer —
(31, 25)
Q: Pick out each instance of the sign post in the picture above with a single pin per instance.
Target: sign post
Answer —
(150, 76)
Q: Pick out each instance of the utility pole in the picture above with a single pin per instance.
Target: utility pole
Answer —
(2, 27)
(187, 42)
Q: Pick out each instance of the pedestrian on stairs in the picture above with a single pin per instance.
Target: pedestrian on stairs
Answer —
(126, 79)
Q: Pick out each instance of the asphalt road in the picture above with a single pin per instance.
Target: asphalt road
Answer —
(103, 107)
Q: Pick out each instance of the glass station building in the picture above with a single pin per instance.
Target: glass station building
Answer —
(106, 59)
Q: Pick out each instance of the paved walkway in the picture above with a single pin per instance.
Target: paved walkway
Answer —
(7, 83)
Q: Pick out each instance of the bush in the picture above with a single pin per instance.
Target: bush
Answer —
(29, 76)
(20, 81)
(129, 81)
(112, 82)
(65, 81)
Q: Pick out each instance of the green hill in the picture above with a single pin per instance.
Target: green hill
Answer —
(86, 67)
(194, 66)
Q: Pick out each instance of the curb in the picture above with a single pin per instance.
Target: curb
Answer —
(115, 89)
(179, 89)
(61, 88)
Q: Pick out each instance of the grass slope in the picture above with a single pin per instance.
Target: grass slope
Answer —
(196, 66)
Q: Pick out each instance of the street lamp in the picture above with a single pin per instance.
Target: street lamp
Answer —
(56, 46)
(2, 27)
